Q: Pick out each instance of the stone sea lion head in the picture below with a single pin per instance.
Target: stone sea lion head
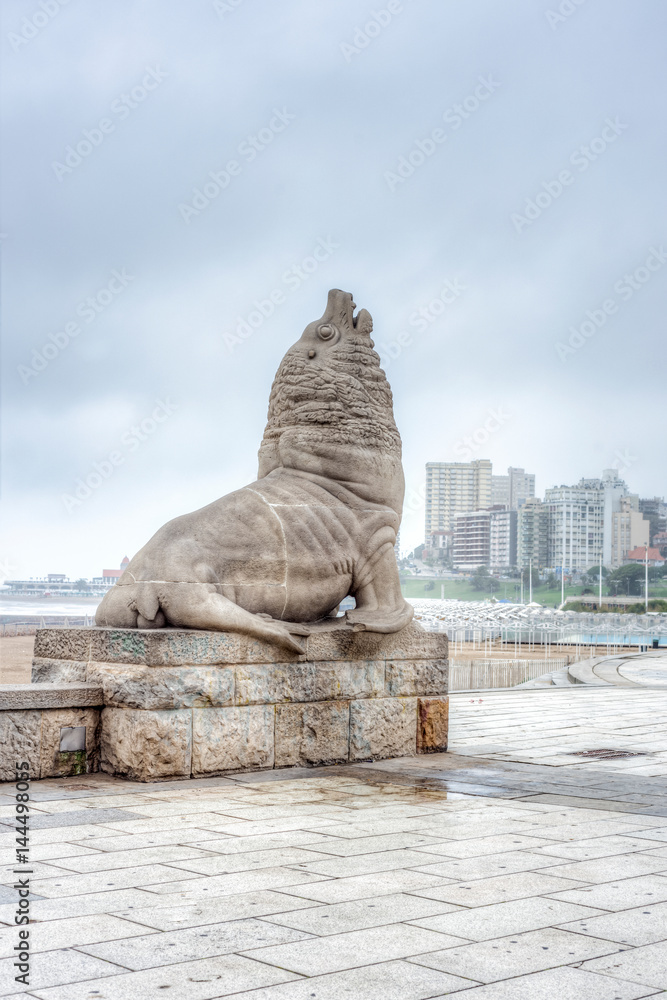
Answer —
(331, 408)
(338, 322)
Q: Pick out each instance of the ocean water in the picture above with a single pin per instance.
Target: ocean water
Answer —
(61, 607)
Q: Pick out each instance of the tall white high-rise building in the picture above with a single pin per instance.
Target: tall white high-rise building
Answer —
(455, 488)
(513, 489)
(533, 533)
(576, 523)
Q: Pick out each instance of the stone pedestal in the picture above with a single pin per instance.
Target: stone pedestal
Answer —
(180, 702)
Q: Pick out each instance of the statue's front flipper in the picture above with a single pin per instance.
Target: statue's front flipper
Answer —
(377, 591)
(380, 620)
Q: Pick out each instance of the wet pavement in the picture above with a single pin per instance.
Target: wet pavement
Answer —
(528, 862)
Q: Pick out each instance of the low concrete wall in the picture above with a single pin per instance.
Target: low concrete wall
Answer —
(54, 727)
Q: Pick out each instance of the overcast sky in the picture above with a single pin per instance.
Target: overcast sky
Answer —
(541, 187)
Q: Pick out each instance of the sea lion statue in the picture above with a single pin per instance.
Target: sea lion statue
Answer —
(319, 523)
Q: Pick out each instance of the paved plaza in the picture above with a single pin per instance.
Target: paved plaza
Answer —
(529, 862)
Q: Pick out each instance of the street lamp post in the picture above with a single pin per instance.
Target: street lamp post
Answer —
(530, 581)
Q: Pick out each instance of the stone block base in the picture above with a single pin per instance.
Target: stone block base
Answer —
(180, 703)
(35, 720)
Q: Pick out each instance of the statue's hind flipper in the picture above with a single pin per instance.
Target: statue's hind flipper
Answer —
(195, 606)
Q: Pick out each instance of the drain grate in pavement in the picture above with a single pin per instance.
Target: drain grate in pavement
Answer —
(608, 754)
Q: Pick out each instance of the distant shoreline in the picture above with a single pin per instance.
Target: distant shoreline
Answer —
(78, 599)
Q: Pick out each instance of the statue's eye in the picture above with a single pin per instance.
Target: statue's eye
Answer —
(326, 331)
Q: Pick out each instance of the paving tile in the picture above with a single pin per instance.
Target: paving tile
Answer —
(226, 844)
(75, 906)
(70, 933)
(120, 878)
(385, 981)
(642, 925)
(228, 885)
(340, 890)
(646, 964)
(598, 847)
(167, 917)
(610, 869)
(481, 892)
(366, 864)
(45, 821)
(377, 828)
(370, 845)
(555, 984)
(53, 968)
(654, 852)
(37, 869)
(195, 821)
(115, 841)
(335, 953)
(492, 864)
(189, 944)
(622, 895)
(224, 864)
(109, 860)
(50, 852)
(657, 833)
(75, 834)
(501, 919)
(587, 830)
(200, 980)
(515, 955)
(246, 828)
(477, 847)
(10, 895)
(360, 913)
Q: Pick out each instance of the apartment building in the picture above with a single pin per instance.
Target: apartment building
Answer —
(454, 488)
(576, 526)
(502, 538)
(513, 489)
(471, 540)
(629, 530)
(533, 533)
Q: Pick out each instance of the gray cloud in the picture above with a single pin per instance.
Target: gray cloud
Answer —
(322, 177)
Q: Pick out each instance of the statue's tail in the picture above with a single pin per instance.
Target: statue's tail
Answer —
(134, 605)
